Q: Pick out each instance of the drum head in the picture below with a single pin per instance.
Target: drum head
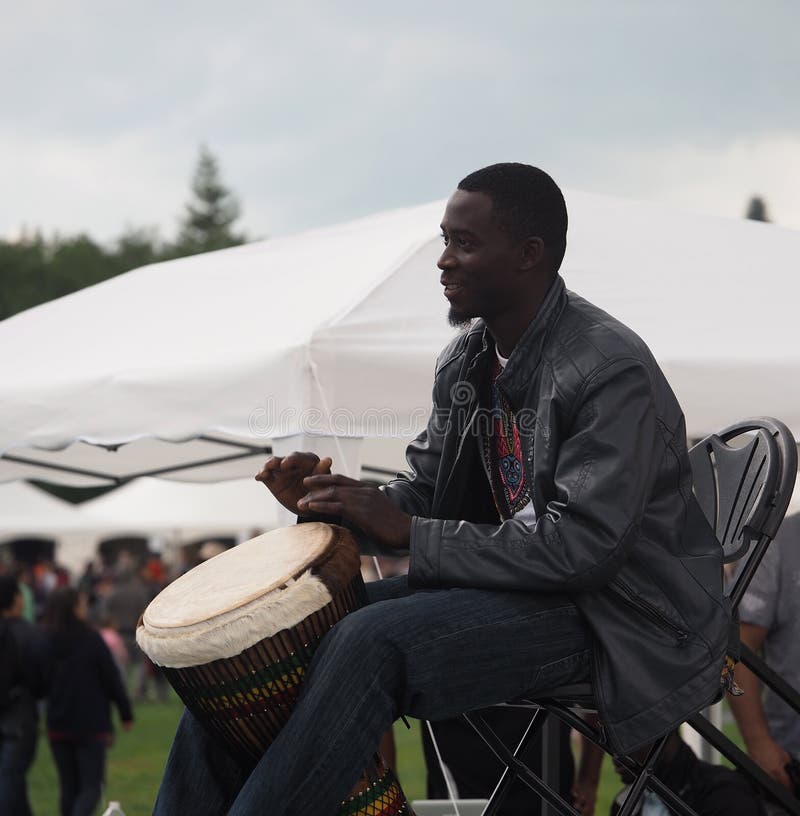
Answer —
(239, 576)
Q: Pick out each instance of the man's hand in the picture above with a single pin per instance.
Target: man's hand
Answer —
(749, 713)
(584, 796)
(283, 476)
(363, 505)
(773, 759)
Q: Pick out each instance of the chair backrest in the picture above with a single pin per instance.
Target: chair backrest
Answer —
(743, 480)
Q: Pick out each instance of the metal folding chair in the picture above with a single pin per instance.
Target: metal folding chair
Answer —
(743, 480)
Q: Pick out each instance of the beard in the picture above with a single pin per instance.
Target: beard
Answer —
(458, 320)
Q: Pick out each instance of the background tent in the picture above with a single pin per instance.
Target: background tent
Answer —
(332, 335)
(172, 512)
(27, 511)
(180, 510)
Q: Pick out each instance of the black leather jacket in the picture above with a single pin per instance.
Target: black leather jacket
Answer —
(618, 528)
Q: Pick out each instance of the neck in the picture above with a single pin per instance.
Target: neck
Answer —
(508, 327)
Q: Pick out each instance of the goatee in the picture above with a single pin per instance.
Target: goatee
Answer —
(458, 321)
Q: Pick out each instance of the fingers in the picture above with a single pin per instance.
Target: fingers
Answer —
(782, 777)
(296, 463)
(346, 493)
(323, 480)
(323, 466)
(329, 508)
(268, 469)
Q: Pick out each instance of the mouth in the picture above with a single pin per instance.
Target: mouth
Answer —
(451, 289)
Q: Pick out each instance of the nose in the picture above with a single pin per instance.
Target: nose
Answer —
(446, 259)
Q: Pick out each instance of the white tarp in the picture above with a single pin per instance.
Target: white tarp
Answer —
(27, 511)
(336, 330)
(181, 510)
(172, 512)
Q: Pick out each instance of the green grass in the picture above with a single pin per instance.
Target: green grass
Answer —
(136, 762)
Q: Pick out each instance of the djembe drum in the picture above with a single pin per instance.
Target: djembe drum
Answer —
(236, 634)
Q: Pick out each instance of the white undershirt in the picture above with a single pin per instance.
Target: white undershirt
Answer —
(528, 514)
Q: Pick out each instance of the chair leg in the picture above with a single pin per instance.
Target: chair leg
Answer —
(515, 768)
(669, 797)
(501, 751)
(552, 734)
(640, 783)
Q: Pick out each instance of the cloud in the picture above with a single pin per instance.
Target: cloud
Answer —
(718, 180)
(320, 112)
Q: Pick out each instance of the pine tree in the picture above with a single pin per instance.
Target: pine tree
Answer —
(757, 209)
(210, 215)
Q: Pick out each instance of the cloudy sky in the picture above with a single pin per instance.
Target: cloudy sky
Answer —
(323, 111)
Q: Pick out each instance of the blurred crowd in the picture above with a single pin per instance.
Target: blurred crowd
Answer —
(68, 653)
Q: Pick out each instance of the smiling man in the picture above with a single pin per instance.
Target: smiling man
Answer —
(548, 514)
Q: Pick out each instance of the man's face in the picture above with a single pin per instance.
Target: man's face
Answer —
(480, 261)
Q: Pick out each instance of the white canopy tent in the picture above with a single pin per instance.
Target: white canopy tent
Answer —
(181, 510)
(174, 512)
(27, 511)
(330, 336)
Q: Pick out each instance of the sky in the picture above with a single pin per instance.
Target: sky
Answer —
(319, 112)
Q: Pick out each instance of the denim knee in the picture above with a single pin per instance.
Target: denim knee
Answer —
(361, 640)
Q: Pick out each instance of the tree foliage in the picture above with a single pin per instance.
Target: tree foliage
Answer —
(35, 269)
(757, 209)
(208, 222)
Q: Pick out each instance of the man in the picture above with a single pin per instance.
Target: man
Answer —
(22, 682)
(710, 790)
(549, 519)
(770, 622)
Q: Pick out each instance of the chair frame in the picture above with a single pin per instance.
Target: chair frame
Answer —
(744, 491)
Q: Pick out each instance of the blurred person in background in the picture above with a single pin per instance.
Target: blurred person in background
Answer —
(769, 613)
(22, 682)
(148, 675)
(710, 790)
(109, 631)
(22, 572)
(85, 681)
(126, 601)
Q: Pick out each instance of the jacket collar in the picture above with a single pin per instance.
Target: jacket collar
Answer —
(526, 355)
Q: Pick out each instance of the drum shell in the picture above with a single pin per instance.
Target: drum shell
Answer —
(246, 700)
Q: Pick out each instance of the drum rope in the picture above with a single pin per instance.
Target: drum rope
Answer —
(343, 460)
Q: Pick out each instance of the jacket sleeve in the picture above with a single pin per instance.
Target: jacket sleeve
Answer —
(604, 477)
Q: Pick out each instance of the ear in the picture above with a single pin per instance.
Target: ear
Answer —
(532, 253)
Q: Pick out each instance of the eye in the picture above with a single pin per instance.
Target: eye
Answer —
(444, 238)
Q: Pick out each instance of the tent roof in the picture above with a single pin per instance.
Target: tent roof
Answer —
(26, 510)
(158, 505)
(336, 330)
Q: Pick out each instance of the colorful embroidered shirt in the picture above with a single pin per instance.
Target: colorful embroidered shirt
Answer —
(503, 456)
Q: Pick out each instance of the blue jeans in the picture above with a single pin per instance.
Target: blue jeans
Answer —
(428, 654)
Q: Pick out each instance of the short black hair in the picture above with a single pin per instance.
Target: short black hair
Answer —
(526, 202)
(9, 589)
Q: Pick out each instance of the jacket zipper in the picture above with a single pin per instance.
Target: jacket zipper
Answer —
(625, 594)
